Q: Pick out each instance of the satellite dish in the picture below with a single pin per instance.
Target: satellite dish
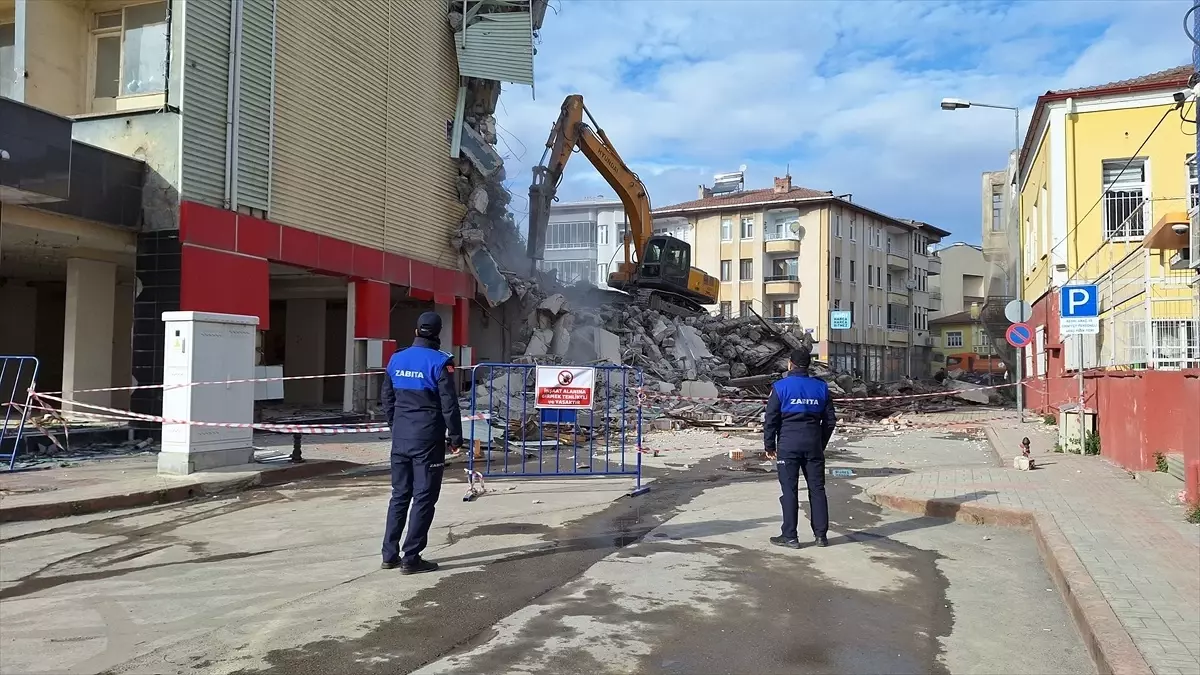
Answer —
(795, 227)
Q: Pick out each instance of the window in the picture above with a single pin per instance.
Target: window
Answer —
(746, 269)
(954, 338)
(879, 237)
(602, 274)
(920, 244)
(602, 234)
(781, 309)
(8, 54)
(1124, 198)
(726, 270)
(570, 271)
(870, 275)
(785, 269)
(879, 277)
(727, 229)
(837, 268)
(726, 309)
(837, 224)
(853, 273)
(870, 315)
(1193, 184)
(851, 227)
(744, 307)
(1028, 246)
(570, 235)
(129, 52)
(837, 304)
(748, 227)
(852, 317)
(997, 206)
(1044, 226)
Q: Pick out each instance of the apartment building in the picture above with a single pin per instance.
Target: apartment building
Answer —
(585, 239)
(1102, 186)
(217, 156)
(962, 285)
(794, 255)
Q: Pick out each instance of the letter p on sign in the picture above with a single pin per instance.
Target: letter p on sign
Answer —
(1079, 301)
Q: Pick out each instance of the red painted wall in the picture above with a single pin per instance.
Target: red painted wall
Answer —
(1139, 413)
(372, 309)
(228, 283)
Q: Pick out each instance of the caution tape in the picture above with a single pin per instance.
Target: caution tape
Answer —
(849, 399)
(128, 415)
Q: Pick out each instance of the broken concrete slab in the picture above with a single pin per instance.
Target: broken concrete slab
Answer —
(695, 389)
(969, 392)
(481, 153)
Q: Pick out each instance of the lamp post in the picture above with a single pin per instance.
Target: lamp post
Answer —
(960, 104)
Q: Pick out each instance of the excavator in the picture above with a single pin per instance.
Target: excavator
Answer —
(657, 271)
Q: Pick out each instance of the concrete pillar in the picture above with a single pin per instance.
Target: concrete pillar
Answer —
(18, 335)
(88, 330)
(354, 391)
(122, 347)
(447, 336)
(304, 353)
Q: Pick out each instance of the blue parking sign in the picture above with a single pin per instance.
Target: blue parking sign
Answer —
(1079, 301)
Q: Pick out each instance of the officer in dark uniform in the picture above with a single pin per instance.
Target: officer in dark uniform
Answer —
(799, 424)
(421, 404)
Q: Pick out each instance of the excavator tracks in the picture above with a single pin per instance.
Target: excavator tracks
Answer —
(668, 303)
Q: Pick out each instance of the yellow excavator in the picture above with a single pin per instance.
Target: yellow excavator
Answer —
(657, 271)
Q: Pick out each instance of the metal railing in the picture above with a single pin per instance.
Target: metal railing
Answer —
(781, 277)
(897, 327)
(781, 234)
(1149, 317)
(1126, 213)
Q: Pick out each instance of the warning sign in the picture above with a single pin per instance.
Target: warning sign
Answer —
(565, 387)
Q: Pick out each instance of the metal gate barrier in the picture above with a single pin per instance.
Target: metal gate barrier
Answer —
(18, 375)
(517, 439)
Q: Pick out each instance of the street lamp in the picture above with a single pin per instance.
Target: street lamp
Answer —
(960, 104)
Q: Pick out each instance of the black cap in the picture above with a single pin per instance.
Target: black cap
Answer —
(429, 325)
(800, 358)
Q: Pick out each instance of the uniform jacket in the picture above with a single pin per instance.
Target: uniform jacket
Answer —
(800, 415)
(418, 395)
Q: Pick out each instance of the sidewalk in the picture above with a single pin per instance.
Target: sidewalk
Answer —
(103, 485)
(1127, 564)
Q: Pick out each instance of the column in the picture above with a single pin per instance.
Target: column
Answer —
(447, 336)
(122, 346)
(304, 353)
(88, 330)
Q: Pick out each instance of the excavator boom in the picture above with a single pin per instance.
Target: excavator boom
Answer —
(656, 269)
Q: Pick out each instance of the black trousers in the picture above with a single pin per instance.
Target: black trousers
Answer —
(417, 470)
(812, 466)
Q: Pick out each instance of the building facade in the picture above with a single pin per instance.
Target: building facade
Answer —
(793, 255)
(210, 156)
(963, 281)
(1100, 176)
(585, 239)
(962, 343)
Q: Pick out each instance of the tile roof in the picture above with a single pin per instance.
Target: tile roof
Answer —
(1170, 77)
(957, 317)
(746, 197)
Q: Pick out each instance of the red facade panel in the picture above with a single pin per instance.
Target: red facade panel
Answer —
(227, 283)
(372, 309)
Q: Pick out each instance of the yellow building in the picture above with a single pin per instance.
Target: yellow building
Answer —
(961, 342)
(794, 255)
(1098, 171)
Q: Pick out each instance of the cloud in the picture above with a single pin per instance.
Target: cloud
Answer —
(846, 94)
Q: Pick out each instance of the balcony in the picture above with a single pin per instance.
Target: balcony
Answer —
(934, 264)
(783, 284)
(935, 301)
(897, 262)
(784, 321)
(897, 333)
(781, 241)
(898, 296)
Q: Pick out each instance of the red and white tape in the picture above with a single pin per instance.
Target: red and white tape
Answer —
(126, 415)
(840, 399)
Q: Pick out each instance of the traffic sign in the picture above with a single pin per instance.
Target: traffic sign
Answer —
(1079, 310)
(840, 320)
(1019, 335)
(1018, 311)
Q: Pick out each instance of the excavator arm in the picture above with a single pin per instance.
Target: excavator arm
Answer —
(568, 133)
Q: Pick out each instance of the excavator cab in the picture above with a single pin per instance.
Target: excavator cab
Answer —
(665, 263)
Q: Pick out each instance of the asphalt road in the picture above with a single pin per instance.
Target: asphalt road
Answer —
(545, 577)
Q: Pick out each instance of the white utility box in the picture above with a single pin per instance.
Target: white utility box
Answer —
(206, 347)
(270, 383)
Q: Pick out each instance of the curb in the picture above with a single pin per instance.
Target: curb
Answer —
(265, 478)
(1108, 643)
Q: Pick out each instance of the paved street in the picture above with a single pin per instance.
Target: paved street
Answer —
(549, 576)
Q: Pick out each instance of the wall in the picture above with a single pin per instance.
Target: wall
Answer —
(957, 260)
(1115, 134)
(152, 138)
(56, 56)
(811, 306)
(361, 148)
(1037, 275)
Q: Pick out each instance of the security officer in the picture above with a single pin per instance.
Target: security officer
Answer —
(421, 404)
(799, 424)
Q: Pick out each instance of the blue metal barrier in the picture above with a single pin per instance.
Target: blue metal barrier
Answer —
(533, 442)
(18, 374)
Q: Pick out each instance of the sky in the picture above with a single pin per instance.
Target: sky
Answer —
(846, 94)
